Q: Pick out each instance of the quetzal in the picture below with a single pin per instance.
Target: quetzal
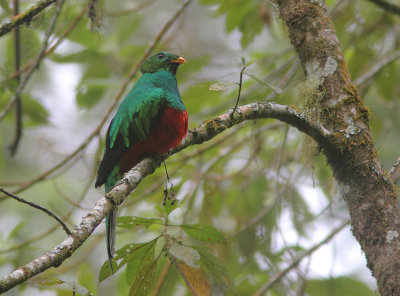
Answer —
(151, 120)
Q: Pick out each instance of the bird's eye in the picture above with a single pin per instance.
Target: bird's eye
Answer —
(161, 56)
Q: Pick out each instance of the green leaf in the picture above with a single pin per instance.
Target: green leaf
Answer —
(250, 27)
(17, 230)
(89, 90)
(89, 95)
(214, 266)
(2, 92)
(200, 97)
(66, 285)
(83, 56)
(83, 36)
(170, 206)
(5, 4)
(123, 255)
(186, 254)
(222, 85)
(204, 233)
(140, 258)
(235, 17)
(357, 59)
(384, 83)
(29, 47)
(249, 63)
(130, 222)
(340, 286)
(51, 282)
(34, 112)
(209, 2)
(144, 280)
(241, 16)
(126, 27)
(105, 270)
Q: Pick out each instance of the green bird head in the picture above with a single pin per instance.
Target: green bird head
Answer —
(162, 61)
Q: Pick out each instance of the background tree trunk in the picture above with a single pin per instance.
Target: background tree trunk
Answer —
(368, 191)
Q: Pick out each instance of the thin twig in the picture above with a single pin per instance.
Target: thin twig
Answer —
(33, 205)
(31, 240)
(139, 6)
(389, 7)
(114, 103)
(156, 184)
(286, 78)
(295, 262)
(25, 17)
(252, 136)
(240, 88)
(55, 45)
(18, 104)
(376, 68)
(38, 59)
(168, 194)
(55, 226)
(68, 199)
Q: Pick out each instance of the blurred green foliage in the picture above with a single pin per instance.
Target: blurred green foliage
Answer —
(262, 184)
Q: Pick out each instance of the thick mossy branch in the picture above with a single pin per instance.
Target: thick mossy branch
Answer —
(206, 131)
(25, 17)
(215, 126)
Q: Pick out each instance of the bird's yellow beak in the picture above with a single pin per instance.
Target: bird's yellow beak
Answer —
(179, 60)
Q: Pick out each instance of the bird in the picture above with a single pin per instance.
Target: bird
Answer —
(151, 120)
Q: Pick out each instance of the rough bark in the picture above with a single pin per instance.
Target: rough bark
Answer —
(368, 192)
(25, 17)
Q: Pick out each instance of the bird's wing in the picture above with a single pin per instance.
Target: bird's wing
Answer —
(132, 123)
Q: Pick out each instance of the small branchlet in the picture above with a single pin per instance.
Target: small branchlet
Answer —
(245, 65)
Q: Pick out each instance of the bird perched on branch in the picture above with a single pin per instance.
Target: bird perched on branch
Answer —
(151, 120)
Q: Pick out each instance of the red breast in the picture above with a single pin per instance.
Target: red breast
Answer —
(168, 133)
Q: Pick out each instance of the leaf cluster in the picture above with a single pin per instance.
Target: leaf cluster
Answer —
(141, 259)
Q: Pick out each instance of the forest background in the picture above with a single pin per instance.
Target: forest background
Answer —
(263, 185)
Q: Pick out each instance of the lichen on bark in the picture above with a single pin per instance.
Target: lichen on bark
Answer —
(365, 187)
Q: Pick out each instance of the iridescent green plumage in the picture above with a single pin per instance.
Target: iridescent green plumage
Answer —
(151, 119)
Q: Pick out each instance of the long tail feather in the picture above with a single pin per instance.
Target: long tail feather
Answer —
(111, 224)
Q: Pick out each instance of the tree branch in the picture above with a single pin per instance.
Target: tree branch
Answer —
(296, 262)
(206, 131)
(369, 194)
(54, 46)
(37, 61)
(44, 234)
(366, 77)
(25, 17)
(389, 7)
(135, 9)
(18, 104)
(33, 205)
(114, 103)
